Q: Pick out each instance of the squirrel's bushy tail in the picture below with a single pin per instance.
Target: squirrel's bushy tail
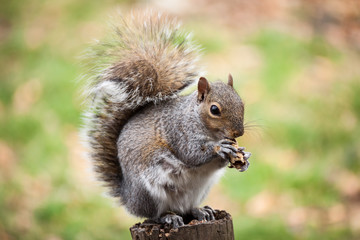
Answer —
(148, 59)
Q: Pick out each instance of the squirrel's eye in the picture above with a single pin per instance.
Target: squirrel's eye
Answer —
(215, 110)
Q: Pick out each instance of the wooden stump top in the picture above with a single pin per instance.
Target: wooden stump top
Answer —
(221, 228)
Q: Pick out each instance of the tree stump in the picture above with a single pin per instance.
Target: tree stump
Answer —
(221, 228)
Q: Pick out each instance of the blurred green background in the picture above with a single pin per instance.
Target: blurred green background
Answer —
(296, 64)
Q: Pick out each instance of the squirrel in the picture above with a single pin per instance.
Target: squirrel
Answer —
(156, 151)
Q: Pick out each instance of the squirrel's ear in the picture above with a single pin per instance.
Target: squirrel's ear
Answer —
(203, 88)
(230, 80)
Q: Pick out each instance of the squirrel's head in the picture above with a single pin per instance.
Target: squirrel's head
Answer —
(221, 108)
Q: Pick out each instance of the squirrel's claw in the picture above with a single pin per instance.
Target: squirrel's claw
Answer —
(247, 155)
(244, 167)
(203, 214)
(175, 220)
(241, 149)
(211, 212)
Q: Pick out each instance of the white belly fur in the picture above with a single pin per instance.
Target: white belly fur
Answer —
(190, 186)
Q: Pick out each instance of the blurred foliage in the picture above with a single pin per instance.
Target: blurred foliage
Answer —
(299, 80)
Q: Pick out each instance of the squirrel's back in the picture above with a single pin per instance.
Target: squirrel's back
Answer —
(147, 59)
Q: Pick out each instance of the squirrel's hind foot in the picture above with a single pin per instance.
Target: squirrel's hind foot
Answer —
(171, 218)
(205, 213)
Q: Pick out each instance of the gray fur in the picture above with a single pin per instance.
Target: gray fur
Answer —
(157, 151)
(167, 148)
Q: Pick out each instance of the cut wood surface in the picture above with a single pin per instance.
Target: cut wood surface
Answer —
(221, 228)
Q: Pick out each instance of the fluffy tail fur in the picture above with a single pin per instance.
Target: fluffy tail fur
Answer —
(148, 59)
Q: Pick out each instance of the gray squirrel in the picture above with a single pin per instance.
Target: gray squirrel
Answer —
(156, 151)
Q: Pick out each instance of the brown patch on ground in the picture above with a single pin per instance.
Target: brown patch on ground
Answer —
(26, 95)
(7, 160)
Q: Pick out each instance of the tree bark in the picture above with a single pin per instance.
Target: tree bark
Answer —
(221, 229)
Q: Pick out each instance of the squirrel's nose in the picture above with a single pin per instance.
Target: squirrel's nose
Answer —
(238, 133)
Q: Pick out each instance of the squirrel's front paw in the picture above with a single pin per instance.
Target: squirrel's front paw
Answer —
(225, 148)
